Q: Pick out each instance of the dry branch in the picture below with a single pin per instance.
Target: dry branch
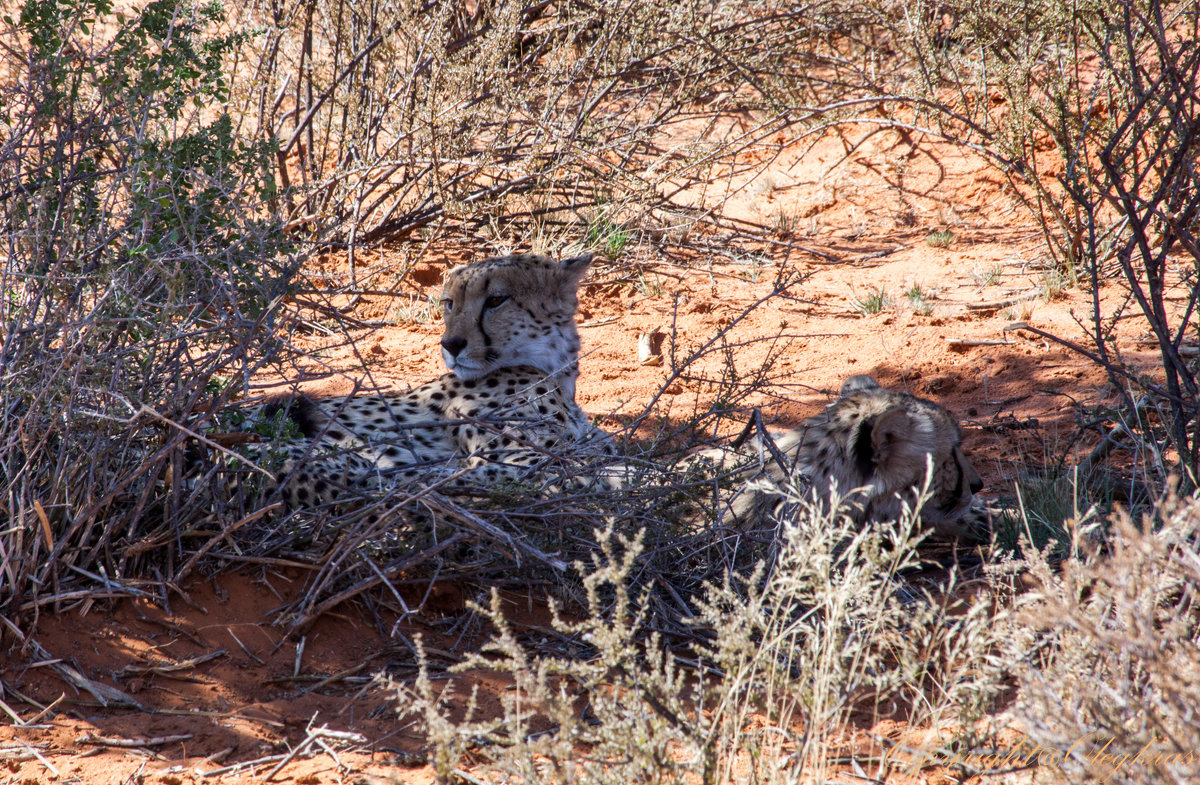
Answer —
(996, 305)
(965, 343)
(154, 741)
(168, 668)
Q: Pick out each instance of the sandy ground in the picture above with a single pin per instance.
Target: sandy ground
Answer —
(846, 227)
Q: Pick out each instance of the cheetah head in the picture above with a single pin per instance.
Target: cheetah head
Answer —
(513, 310)
(894, 440)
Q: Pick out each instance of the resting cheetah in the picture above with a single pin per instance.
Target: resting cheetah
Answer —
(506, 410)
(872, 439)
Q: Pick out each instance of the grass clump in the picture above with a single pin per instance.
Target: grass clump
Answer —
(1054, 283)
(989, 277)
(940, 238)
(919, 299)
(609, 238)
(876, 301)
(780, 658)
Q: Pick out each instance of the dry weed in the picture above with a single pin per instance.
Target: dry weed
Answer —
(1117, 682)
(762, 689)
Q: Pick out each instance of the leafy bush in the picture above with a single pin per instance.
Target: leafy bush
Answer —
(143, 265)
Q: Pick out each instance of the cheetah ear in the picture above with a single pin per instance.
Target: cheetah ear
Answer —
(573, 270)
(858, 382)
(890, 434)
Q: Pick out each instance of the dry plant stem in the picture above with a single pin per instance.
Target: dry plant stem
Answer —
(997, 305)
(311, 614)
(515, 545)
(44, 710)
(968, 342)
(240, 767)
(156, 741)
(165, 669)
(106, 695)
(42, 760)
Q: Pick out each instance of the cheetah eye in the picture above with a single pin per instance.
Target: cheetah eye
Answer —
(495, 301)
(447, 305)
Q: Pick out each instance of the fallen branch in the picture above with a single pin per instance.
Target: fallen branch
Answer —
(109, 741)
(239, 767)
(996, 305)
(968, 342)
(106, 695)
(167, 668)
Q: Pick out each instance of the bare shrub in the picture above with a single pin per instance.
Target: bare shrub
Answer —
(1132, 179)
(1090, 110)
(398, 116)
(501, 118)
(1008, 80)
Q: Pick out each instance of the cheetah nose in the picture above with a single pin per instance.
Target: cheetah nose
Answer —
(454, 345)
(976, 485)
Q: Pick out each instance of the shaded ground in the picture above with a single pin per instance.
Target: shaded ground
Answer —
(864, 222)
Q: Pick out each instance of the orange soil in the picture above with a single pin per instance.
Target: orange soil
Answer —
(870, 214)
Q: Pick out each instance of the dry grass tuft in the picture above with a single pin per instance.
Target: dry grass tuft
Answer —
(1116, 676)
(778, 664)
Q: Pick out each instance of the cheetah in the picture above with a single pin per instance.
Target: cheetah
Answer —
(873, 446)
(505, 412)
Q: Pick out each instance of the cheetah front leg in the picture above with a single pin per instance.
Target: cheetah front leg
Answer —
(514, 451)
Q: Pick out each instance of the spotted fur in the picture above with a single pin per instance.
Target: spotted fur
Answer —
(506, 413)
(874, 448)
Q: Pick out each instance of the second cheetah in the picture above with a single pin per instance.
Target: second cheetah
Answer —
(873, 446)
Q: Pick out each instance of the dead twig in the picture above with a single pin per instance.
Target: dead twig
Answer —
(317, 736)
(239, 767)
(153, 741)
(106, 695)
(964, 343)
(40, 758)
(169, 668)
(996, 305)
